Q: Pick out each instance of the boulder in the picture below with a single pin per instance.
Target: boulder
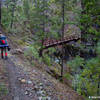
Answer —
(17, 51)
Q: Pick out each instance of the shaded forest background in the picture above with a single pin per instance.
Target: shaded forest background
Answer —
(33, 21)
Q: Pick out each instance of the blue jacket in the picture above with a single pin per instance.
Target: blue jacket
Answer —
(3, 38)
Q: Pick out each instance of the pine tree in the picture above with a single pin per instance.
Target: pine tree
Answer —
(0, 11)
(88, 81)
(13, 11)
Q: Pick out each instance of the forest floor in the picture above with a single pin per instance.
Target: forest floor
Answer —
(26, 82)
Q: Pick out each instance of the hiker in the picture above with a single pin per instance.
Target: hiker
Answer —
(3, 45)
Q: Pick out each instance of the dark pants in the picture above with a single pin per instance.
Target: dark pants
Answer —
(3, 51)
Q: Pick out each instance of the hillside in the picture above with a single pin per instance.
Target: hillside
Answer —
(29, 82)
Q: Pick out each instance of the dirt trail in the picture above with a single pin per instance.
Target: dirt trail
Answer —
(37, 86)
(16, 93)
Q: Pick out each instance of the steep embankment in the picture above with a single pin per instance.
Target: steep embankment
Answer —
(26, 82)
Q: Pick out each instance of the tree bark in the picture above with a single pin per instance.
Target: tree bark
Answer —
(63, 24)
(0, 11)
(13, 10)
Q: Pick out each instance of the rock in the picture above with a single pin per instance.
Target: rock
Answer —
(36, 88)
(23, 81)
(26, 48)
(48, 98)
(2, 77)
(40, 92)
(26, 92)
(16, 98)
(30, 94)
(41, 88)
(34, 71)
(44, 98)
(41, 84)
(19, 79)
(17, 51)
(29, 82)
(40, 98)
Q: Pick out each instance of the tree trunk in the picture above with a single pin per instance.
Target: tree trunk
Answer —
(0, 11)
(82, 24)
(13, 10)
(63, 24)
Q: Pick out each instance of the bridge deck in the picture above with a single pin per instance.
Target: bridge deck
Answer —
(52, 43)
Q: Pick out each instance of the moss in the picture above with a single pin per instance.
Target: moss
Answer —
(3, 89)
(21, 42)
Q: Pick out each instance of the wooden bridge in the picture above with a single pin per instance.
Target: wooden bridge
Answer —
(52, 42)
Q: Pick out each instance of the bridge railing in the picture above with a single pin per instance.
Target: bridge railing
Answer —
(48, 42)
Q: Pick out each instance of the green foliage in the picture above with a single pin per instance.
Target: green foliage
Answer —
(6, 19)
(7, 13)
(91, 77)
(32, 51)
(89, 18)
(3, 89)
(76, 63)
(86, 81)
(26, 8)
(68, 76)
(43, 18)
(98, 49)
(47, 60)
